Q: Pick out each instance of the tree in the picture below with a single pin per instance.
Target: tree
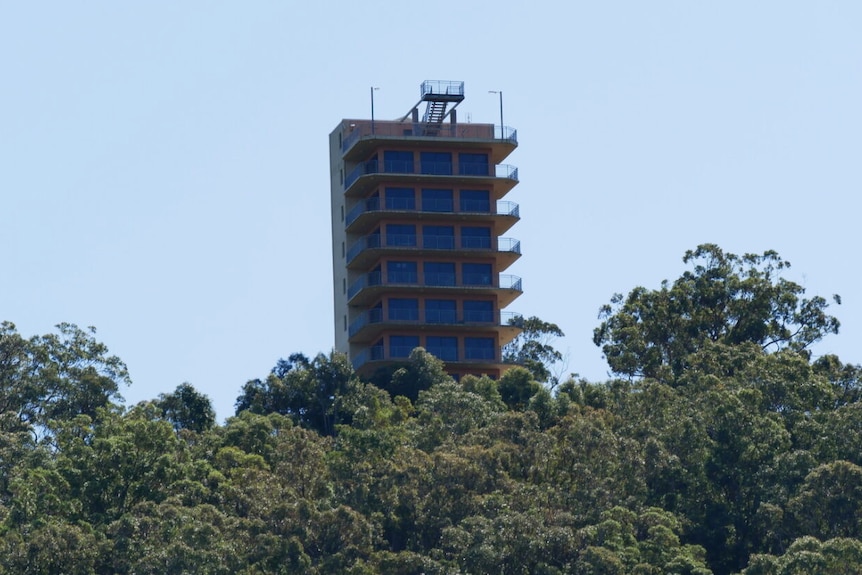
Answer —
(305, 390)
(533, 349)
(185, 408)
(725, 299)
(57, 376)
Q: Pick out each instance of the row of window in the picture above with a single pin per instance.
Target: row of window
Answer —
(443, 347)
(432, 200)
(437, 273)
(434, 163)
(436, 310)
(434, 237)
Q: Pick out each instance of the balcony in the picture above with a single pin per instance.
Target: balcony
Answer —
(470, 357)
(367, 214)
(432, 170)
(364, 251)
(370, 286)
(372, 322)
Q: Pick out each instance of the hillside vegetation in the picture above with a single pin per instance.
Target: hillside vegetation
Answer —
(723, 446)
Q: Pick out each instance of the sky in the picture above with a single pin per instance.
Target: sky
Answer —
(164, 165)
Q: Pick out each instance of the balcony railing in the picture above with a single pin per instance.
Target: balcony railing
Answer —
(504, 171)
(432, 316)
(428, 242)
(400, 353)
(360, 129)
(504, 208)
(372, 279)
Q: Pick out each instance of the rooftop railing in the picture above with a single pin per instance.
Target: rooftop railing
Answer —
(360, 129)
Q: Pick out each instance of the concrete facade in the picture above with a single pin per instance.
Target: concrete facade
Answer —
(417, 249)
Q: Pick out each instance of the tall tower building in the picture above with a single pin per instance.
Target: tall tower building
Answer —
(417, 253)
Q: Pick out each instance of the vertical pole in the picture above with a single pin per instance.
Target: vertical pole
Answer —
(502, 128)
(372, 109)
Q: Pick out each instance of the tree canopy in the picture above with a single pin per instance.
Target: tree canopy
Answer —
(725, 299)
(731, 452)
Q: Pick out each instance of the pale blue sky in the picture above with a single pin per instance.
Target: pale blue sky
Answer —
(164, 165)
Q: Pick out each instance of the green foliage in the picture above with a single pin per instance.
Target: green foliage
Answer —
(737, 454)
(304, 390)
(533, 347)
(55, 376)
(516, 387)
(185, 408)
(726, 299)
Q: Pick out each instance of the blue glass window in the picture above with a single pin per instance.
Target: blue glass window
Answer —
(440, 311)
(403, 309)
(437, 201)
(438, 237)
(398, 162)
(376, 350)
(478, 201)
(439, 163)
(476, 274)
(401, 273)
(473, 164)
(439, 273)
(479, 348)
(400, 199)
(402, 345)
(478, 311)
(445, 348)
(400, 235)
(476, 238)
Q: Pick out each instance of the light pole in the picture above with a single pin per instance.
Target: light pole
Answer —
(372, 107)
(502, 129)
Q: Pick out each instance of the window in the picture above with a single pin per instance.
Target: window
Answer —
(437, 201)
(473, 164)
(372, 204)
(476, 238)
(397, 162)
(476, 274)
(445, 348)
(401, 273)
(400, 235)
(439, 273)
(440, 311)
(402, 345)
(439, 163)
(478, 311)
(479, 348)
(475, 201)
(376, 350)
(375, 314)
(401, 309)
(400, 199)
(438, 237)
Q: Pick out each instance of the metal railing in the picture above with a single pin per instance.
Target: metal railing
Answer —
(504, 208)
(359, 129)
(504, 171)
(449, 317)
(372, 279)
(429, 242)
